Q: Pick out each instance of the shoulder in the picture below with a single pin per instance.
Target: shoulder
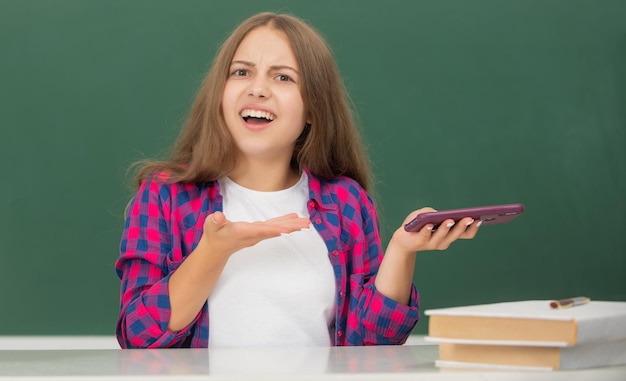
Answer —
(160, 183)
(185, 202)
(340, 191)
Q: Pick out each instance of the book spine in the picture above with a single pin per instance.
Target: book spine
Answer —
(601, 329)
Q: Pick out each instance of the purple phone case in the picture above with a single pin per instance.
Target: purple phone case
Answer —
(489, 215)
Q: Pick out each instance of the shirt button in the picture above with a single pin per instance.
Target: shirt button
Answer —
(341, 294)
(339, 333)
(311, 204)
(335, 253)
(318, 221)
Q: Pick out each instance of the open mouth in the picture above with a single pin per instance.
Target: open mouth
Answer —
(257, 116)
(254, 120)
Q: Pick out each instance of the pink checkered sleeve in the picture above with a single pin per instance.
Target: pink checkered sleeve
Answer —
(374, 318)
(344, 215)
(143, 270)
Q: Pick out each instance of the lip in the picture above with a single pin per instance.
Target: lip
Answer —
(256, 127)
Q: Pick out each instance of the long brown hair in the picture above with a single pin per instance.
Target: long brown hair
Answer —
(329, 147)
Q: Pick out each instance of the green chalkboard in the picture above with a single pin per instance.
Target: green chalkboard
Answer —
(462, 103)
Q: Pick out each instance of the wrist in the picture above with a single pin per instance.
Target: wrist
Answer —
(396, 245)
(208, 249)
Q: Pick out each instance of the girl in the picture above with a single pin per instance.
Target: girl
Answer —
(260, 229)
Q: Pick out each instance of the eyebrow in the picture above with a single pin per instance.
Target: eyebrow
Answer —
(273, 67)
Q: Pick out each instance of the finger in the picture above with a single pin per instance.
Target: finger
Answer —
(455, 232)
(424, 234)
(442, 230)
(471, 230)
(297, 225)
(290, 221)
(263, 231)
(436, 240)
(449, 231)
(285, 226)
(215, 221)
(218, 218)
(286, 217)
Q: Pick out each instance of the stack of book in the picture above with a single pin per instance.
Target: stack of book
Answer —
(529, 335)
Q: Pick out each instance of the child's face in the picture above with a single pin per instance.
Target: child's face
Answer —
(262, 103)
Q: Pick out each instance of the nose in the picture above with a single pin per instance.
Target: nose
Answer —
(258, 88)
(257, 92)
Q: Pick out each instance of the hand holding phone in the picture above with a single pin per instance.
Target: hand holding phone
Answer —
(489, 215)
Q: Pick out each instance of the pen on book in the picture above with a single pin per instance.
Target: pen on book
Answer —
(570, 302)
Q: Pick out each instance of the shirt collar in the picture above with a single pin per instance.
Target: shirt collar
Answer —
(320, 192)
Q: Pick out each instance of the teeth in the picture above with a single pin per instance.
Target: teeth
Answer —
(256, 114)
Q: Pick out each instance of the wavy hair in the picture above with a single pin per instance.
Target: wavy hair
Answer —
(329, 147)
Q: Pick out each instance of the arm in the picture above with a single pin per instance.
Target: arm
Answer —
(396, 270)
(192, 283)
(382, 320)
(388, 306)
(161, 300)
(144, 267)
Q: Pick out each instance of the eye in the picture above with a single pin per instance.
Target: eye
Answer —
(239, 73)
(284, 78)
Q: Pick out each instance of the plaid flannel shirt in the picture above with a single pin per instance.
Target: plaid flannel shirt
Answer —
(165, 223)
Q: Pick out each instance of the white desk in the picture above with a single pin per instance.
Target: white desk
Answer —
(407, 362)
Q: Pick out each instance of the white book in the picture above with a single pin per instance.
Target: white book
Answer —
(579, 356)
(530, 322)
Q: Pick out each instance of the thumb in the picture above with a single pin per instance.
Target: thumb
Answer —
(217, 219)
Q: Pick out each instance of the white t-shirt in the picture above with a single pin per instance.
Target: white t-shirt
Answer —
(279, 292)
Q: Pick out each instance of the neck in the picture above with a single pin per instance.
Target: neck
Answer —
(264, 177)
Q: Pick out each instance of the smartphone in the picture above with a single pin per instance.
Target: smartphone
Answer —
(489, 215)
